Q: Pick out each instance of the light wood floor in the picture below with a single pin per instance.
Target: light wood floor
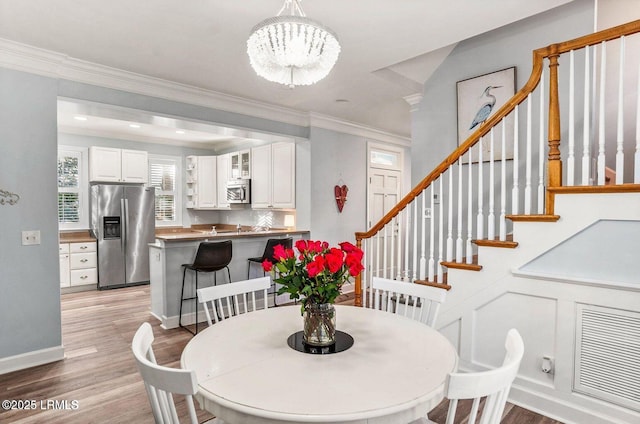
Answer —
(100, 374)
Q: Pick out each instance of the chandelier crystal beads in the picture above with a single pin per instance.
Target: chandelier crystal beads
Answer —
(292, 49)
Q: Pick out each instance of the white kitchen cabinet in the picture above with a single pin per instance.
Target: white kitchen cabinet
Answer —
(65, 280)
(222, 172)
(135, 166)
(273, 170)
(240, 165)
(78, 264)
(201, 182)
(108, 164)
(261, 182)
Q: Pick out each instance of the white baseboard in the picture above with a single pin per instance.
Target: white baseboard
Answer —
(568, 412)
(31, 359)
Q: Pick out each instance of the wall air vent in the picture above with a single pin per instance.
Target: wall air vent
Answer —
(607, 356)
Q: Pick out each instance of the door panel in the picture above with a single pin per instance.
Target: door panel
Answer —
(384, 193)
(106, 202)
(140, 231)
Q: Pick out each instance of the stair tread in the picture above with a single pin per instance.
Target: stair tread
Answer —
(434, 284)
(508, 243)
(462, 265)
(533, 218)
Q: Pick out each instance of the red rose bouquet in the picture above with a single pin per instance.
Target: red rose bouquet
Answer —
(316, 274)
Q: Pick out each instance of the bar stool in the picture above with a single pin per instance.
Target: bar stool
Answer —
(287, 243)
(210, 257)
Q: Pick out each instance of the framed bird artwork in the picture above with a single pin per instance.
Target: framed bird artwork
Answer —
(480, 97)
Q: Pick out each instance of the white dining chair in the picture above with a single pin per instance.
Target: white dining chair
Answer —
(416, 301)
(493, 385)
(162, 382)
(226, 300)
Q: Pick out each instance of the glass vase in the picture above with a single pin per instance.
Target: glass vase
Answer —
(319, 324)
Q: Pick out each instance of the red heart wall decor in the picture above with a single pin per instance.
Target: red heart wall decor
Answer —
(341, 195)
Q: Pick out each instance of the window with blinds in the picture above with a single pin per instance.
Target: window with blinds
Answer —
(164, 177)
(70, 189)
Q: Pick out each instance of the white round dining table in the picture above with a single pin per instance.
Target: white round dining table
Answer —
(394, 373)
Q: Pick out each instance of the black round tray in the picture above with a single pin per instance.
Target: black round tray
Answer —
(343, 342)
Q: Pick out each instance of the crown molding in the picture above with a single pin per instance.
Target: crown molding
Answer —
(414, 101)
(26, 58)
(330, 123)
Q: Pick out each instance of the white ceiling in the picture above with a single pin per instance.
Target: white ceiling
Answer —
(389, 48)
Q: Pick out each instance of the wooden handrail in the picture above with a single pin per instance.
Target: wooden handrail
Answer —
(554, 165)
(483, 130)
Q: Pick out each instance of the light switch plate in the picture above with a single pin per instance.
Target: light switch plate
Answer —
(30, 237)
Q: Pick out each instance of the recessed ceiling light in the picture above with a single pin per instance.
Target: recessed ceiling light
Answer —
(179, 132)
(134, 125)
(80, 118)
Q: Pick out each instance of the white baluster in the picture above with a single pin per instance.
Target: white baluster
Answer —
(399, 238)
(441, 233)
(459, 253)
(491, 224)
(541, 150)
(378, 249)
(503, 184)
(366, 275)
(470, 208)
(407, 234)
(586, 148)
(636, 165)
(450, 218)
(620, 137)
(385, 247)
(515, 192)
(432, 234)
(480, 218)
(423, 259)
(527, 180)
(572, 141)
(601, 157)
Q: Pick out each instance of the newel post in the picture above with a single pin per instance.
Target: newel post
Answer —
(358, 283)
(554, 164)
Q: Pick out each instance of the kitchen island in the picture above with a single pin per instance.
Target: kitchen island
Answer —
(179, 246)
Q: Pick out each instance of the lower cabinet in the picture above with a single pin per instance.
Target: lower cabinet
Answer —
(78, 265)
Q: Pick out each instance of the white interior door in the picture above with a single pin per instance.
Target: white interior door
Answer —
(384, 194)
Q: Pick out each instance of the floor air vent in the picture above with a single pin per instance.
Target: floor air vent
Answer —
(608, 355)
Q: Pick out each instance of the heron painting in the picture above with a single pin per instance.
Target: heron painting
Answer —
(478, 99)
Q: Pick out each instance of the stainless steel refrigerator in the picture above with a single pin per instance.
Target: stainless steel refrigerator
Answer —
(123, 222)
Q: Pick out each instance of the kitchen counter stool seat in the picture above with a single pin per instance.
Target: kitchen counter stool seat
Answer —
(210, 257)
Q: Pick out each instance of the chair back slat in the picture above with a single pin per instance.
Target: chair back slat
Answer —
(162, 382)
(225, 299)
(493, 385)
(415, 301)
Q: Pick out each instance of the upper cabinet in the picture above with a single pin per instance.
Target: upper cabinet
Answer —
(222, 172)
(240, 164)
(118, 165)
(205, 185)
(273, 169)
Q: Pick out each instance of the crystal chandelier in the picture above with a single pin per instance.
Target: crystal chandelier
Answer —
(292, 49)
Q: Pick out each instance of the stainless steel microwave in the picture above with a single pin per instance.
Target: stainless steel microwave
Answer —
(239, 191)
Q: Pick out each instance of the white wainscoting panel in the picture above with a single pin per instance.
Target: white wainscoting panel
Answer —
(452, 331)
(535, 317)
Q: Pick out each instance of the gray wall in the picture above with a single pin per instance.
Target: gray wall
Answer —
(434, 133)
(29, 277)
(337, 159)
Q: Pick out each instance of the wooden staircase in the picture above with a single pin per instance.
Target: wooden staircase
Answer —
(396, 246)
